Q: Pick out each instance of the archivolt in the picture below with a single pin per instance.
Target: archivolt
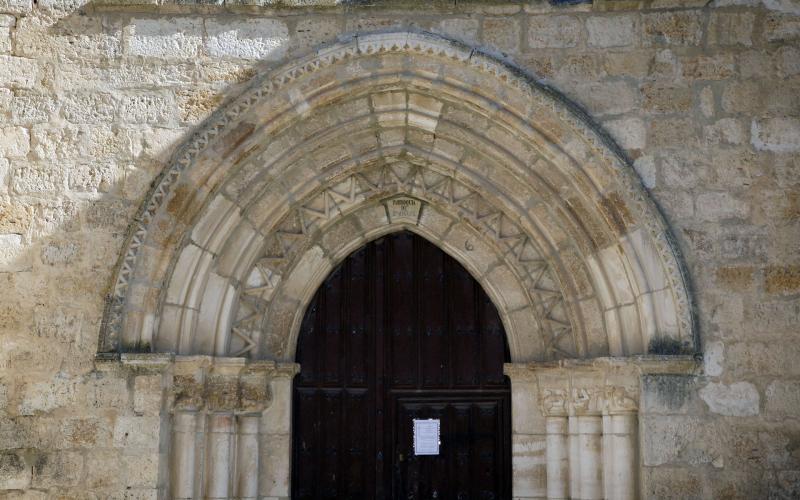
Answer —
(293, 175)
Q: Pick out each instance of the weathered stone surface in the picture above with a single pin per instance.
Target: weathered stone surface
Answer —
(173, 38)
(672, 28)
(718, 206)
(251, 39)
(781, 135)
(740, 399)
(630, 133)
(502, 33)
(555, 32)
(18, 72)
(612, 31)
(782, 398)
(15, 142)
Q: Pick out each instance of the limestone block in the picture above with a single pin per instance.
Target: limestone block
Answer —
(782, 279)
(74, 38)
(140, 470)
(174, 37)
(16, 6)
(678, 440)
(630, 133)
(313, 31)
(721, 206)
(14, 142)
(740, 399)
(669, 395)
(781, 27)
(196, 105)
(147, 394)
(60, 252)
(608, 98)
(31, 107)
(137, 432)
(788, 60)
(672, 28)
(89, 107)
(84, 432)
(612, 31)
(79, 142)
(666, 98)
(731, 28)
(103, 469)
(107, 393)
(725, 131)
(148, 108)
(717, 67)
(779, 135)
(17, 72)
(47, 396)
(460, 28)
(553, 31)
(265, 39)
(502, 33)
(14, 256)
(62, 468)
(743, 97)
(782, 398)
(665, 483)
(14, 472)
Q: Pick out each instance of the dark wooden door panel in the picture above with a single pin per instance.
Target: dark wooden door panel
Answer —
(472, 463)
(400, 329)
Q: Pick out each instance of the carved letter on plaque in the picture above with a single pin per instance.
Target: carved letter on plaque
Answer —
(404, 209)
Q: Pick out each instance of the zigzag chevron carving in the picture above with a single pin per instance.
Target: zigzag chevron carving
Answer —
(292, 233)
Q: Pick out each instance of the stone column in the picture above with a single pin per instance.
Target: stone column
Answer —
(586, 445)
(219, 455)
(247, 457)
(557, 456)
(182, 463)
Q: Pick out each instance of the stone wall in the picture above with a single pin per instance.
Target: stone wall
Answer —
(703, 96)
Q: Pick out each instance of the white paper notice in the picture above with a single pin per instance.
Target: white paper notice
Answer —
(426, 437)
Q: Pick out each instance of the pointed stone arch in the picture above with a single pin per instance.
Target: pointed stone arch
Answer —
(279, 184)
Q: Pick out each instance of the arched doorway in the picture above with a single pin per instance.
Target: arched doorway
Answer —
(401, 331)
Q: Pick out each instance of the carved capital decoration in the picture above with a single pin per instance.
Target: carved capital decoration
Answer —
(203, 383)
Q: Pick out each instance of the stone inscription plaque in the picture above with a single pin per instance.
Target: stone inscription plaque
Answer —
(426, 436)
(404, 209)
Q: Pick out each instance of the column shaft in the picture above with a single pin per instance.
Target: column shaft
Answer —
(182, 462)
(620, 455)
(556, 456)
(586, 478)
(219, 463)
(247, 457)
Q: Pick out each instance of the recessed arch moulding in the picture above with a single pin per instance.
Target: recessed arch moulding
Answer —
(387, 132)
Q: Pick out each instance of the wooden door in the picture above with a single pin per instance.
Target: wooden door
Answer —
(401, 331)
